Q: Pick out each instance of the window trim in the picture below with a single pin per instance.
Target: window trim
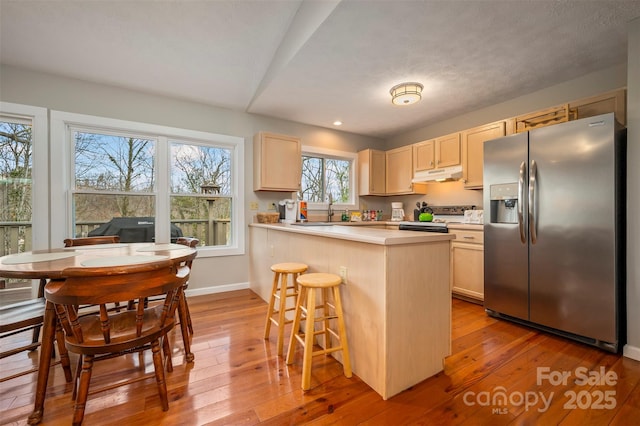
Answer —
(40, 235)
(314, 151)
(62, 177)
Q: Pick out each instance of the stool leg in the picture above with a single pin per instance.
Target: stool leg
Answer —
(308, 339)
(342, 332)
(272, 299)
(282, 305)
(296, 324)
(326, 314)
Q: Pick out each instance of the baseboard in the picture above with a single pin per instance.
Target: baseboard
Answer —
(217, 289)
(632, 352)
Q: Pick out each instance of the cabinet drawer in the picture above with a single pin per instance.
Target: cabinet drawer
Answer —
(468, 236)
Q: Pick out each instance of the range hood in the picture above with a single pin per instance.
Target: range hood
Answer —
(438, 175)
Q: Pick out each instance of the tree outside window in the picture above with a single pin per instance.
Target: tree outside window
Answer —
(324, 177)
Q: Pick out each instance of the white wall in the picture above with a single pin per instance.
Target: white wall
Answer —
(71, 95)
(633, 193)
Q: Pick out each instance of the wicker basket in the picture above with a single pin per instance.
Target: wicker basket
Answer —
(268, 217)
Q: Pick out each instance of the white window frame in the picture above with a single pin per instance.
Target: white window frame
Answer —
(63, 176)
(313, 151)
(40, 168)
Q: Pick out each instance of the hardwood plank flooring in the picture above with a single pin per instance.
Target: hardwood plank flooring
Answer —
(491, 378)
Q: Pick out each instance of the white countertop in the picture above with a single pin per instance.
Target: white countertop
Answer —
(363, 234)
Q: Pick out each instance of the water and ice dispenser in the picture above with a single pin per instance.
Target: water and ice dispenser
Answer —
(504, 203)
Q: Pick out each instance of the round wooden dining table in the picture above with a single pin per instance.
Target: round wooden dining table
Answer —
(50, 264)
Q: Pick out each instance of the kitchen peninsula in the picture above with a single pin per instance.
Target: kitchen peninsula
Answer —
(396, 300)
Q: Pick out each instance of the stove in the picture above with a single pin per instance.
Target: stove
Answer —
(442, 215)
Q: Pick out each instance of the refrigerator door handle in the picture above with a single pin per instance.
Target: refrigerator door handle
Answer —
(521, 178)
(532, 201)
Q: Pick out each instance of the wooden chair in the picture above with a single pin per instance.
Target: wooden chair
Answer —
(24, 316)
(106, 334)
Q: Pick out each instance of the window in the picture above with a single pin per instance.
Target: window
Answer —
(23, 189)
(149, 182)
(326, 175)
(24, 177)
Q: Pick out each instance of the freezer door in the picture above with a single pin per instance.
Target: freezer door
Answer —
(506, 283)
(572, 255)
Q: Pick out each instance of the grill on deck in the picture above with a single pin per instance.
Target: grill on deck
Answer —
(133, 229)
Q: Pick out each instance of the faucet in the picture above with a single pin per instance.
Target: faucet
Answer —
(330, 209)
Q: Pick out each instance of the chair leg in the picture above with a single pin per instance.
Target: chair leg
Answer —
(83, 390)
(184, 327)
(36, 329)
(166, 350)
(186, 308)
(159, 371)
(64, 355)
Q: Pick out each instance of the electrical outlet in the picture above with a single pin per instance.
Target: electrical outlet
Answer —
(272, 206)
(253, 205)
(343, 274)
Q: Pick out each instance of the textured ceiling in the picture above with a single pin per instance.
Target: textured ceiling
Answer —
(318, 61)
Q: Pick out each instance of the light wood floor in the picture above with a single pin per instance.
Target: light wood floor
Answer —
(238, 380)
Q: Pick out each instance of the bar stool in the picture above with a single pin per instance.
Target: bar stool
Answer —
(281, 290)
(306, 311)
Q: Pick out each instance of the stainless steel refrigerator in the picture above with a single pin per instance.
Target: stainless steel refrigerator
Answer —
(554, 233)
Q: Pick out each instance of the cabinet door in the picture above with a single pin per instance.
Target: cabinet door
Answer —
(608, 102)
(472, 152)
(448, 150)
(424, 156)
(400, 170)
(467, 270)
(371, 172)
(277, 162)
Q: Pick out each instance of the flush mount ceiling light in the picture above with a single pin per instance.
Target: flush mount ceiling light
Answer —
(406, 93)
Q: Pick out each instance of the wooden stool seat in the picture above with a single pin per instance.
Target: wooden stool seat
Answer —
(306, 309)
(281, 290)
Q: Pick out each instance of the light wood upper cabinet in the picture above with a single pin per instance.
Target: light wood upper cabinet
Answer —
(473, 154)
(400, 170)
(277, 162)
(447, 150)
(424, 156)
(607, 102)
(371, 172)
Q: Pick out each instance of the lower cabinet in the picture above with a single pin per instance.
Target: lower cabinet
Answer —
(467, 264)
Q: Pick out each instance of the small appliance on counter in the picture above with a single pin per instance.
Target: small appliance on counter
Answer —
(288, 210)
(424, 210)
(474, 217)
(397, 212)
